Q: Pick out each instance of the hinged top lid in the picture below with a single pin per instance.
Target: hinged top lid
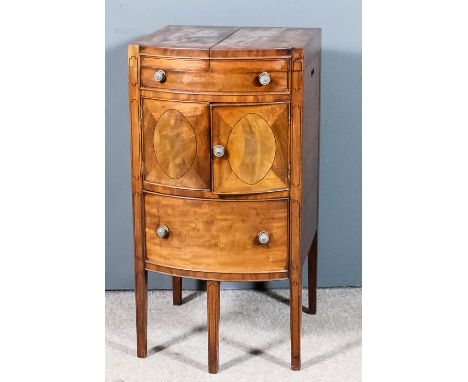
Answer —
(226, 42)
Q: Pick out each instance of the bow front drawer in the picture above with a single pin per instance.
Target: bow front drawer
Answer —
(212, 76)
(217, 235)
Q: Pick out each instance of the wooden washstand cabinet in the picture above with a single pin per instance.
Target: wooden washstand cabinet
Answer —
(225, 163)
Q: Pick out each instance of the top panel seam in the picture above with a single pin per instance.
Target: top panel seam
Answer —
(209, 49)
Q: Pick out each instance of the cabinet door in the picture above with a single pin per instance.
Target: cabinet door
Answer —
(255, 139)
(176, 144)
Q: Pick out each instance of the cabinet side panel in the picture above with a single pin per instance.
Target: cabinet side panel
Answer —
(310, 147)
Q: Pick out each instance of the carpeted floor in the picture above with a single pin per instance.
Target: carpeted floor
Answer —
(254, 338)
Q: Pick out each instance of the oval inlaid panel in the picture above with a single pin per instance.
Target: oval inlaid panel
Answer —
(175, 144)
(251, 148)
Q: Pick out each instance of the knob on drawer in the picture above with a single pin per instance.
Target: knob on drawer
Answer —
(160, 75)
(162, 231)
(218, 151)
(264, 78)
(263, 237)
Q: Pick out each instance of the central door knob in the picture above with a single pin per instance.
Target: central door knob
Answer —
(218, 151)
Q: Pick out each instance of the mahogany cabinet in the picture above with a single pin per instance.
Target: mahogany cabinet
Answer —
(225, 163)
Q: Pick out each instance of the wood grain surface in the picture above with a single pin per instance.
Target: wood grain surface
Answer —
(225, 42)
(177, 290)
(176, 143)
(256, 139)
(216, 235)
(184, 40)
(262, 41)
(213, 97)
(217, 276)
(141, 274)
(213, 313)
(295, 269)
(159, 189)
(202, 76)
(310, 151)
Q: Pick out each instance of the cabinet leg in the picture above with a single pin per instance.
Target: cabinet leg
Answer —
(312, 277)
(176, 290)
(212, 288)
(141, 300)
(295, 286)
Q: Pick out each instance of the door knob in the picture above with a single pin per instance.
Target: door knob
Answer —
(162, 231)
(160, 75)
(263, 237)
(264, 78)
(218, 151)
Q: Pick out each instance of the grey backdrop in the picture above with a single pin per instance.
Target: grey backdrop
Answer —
(339, 261)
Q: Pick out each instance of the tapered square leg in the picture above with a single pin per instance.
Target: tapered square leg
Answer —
(213, 303)
(141, 299)
(312, 277)
(295, 321)
(176, 290)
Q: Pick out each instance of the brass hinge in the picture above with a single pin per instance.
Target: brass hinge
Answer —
(142, 169)
(289, 173)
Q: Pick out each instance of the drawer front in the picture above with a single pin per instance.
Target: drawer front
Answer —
(217, 235)
(176, 144)
(254, 143)
(235, 76)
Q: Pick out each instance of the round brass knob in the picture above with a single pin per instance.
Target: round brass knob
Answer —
(263, 237)
(218, 151)
(160, 75)
(162, 231)
(264, 78)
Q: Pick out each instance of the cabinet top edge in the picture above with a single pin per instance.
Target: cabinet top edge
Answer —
(226, 41)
